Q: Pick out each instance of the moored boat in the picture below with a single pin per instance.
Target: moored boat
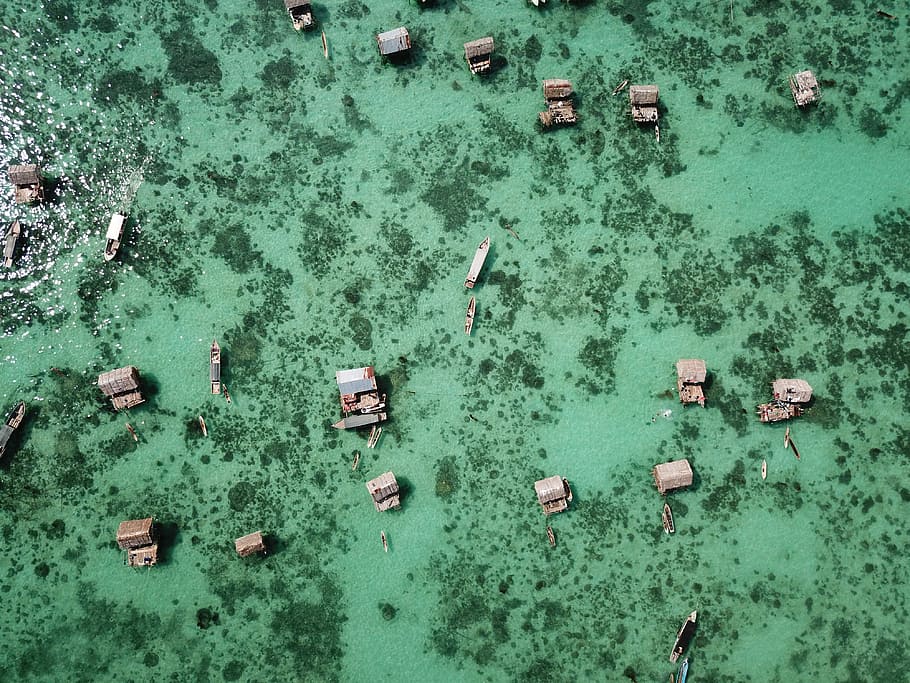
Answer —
(683, 671)
(132, 431)
(469, 318)
(764, 469)
(325, 46)
(215, 368)
(787, 438)
(684, 636)
(477, 264)
(10, 241)
(205, 431)
(13, 420)
(619, 88)
(667, 518)
(551, 536)
(114, 236)
(356, 461)
(227, 396)
(793, 448)
(385, 541)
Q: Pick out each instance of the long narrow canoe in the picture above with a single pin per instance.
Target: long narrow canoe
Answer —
(9, 246)
(469, 318)
(215, 370)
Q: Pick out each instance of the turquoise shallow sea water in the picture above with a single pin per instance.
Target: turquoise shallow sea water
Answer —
(316, 215)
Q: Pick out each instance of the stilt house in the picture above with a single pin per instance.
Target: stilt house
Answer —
(690, 378)
(479, 53)
(394, 43)
(301, 12)
(558, 94)
(9, 427)
(249, 544)
(385, 492)
(361, 403)
(804, 87)
(137, 538)
(644, 103)
(553, 494)
(26, 180)
(122, 386)
(672, 475)
(789, 395)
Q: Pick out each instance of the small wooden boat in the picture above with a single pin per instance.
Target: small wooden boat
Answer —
(684, 636)
(787, 438)
(469, 318)
(13, 420)
(657, 135)
(205, 432)
(11, 239)
(114, 236)
(793, 448)
(385, 541)
(325, 46)
(619, 88)
(884, 14)
(215, 368)
(683, 671)
(375, 433)
(667, 518)
(356, 460)
(672, 677)
(477, 264)
(551, 536)
(764, 469)
(132, 431)
(227, 396)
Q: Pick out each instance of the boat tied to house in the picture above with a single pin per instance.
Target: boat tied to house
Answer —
(227, 396)
(764, 469)
(356, 461)
(551, 536)
(215, 368)
(477, 264)
(114, 236)
(469, 318)
(667, 517)
(132, 431)
(205, 431)
(684, 636)
(619, 88)
(385, 541)
(787, 438)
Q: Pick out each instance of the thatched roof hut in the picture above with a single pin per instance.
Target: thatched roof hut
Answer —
(122, 386)
(553, 494)
(136, 533)
(26, 179)
(478, 54)
(558, 93)
(394, 42)
(301, 13)
(644, 103)
(804, 87)
(385, 492)
(690, 375)
(249, 544)
(672, 475)
(557, 89)
(792, 390)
